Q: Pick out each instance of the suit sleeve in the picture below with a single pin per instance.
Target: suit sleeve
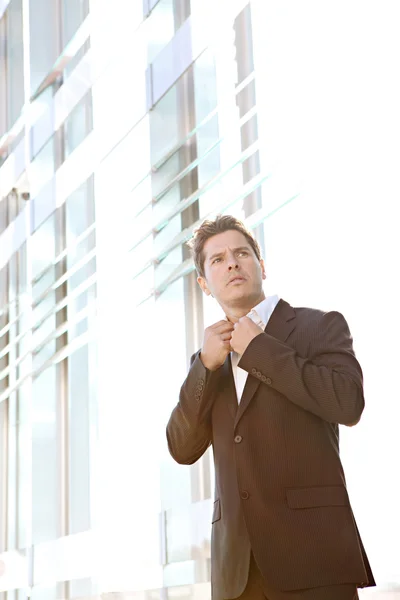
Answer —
(189, 431)
(328, 383)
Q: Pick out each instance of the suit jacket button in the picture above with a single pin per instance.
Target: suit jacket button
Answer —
(269, 380)
(244, 495)
(258, 374)
(254, 371)
(238, 439)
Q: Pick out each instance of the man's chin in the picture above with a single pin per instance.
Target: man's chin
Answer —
(239, 297)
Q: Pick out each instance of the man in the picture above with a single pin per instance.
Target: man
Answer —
(268, 389)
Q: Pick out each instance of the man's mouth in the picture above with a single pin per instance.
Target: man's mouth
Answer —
(236, 279)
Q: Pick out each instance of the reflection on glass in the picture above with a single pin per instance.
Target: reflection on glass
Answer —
(78, 124)
(15, 61)
(79, 447)
(42, 168)
(44, 54)
(79, 215)
(12, 475)
(160, 28)
(164, 125)
(45, 472)
(74, 13)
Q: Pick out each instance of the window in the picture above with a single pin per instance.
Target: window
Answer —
(3, 77)
(74, 13)
(78, 124)
(43, 54)
(15, 61)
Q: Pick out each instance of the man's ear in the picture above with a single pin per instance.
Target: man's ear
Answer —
(203, 284)
(263, 273)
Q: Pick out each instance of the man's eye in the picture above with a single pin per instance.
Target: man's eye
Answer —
(243, 253)
(215, 260)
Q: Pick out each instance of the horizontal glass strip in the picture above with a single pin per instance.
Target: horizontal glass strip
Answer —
(184, 140)
(206, 119)
(55, 359)
(157, 228)
(53, 287)
(28, 113)
(85, 285)
(66, 56)
(65, 252)
(188, 265)
(7, 306)
(200, 159)
(86, 312)
(181, 206)
(186, 202)
(77, 267)
(56, 260)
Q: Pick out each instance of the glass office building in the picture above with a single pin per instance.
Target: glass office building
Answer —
(122, 126)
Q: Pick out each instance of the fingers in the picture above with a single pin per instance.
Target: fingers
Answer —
(222, 326)
(227, 346)
(226, 336)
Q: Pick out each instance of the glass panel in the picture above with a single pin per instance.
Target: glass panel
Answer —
(189, 532)
(75, 60)
(174, 258)
(78, 124)
(3, 215)
(74, 13)
(45, 592)
(43, 251)
(42, 168)
(3, 471)
(164, 131)
(79, 214)
(4, 339)
(45, 472)
(42, 244)
(79, 446)
(160, 28)
(44, 42)
(3, 82)
(12, 475)
(15, 57)
(205, 97)
(24, 447)
(170, 64)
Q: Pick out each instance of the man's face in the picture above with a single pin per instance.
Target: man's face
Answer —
(233, 273)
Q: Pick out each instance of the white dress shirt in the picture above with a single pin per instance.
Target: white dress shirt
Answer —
(260, 315)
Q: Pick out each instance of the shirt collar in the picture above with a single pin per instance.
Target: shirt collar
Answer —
(265, 308)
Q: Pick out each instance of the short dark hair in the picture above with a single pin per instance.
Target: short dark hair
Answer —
(210, 228)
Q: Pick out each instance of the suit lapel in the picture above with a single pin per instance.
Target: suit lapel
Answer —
(280, 326)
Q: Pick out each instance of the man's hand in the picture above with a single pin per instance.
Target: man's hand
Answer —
(245, 330)
(216, 345)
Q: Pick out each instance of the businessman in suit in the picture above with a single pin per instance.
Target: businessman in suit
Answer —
(268, 389)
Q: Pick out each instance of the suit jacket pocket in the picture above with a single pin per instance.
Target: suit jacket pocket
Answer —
(216, 512)
(309, 497)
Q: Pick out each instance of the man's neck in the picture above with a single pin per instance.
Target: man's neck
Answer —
(233, 314)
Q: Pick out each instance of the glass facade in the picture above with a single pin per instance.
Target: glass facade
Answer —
(123, 126)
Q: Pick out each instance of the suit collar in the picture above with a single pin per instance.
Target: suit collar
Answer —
(280, 326)
(282, 321)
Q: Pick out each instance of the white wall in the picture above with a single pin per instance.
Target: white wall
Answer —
(328, 99)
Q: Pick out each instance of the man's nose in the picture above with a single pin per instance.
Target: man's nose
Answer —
(232, 263)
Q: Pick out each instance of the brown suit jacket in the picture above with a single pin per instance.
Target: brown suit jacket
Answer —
(280, 488)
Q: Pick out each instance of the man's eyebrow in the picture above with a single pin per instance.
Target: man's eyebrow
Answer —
(218, 254)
